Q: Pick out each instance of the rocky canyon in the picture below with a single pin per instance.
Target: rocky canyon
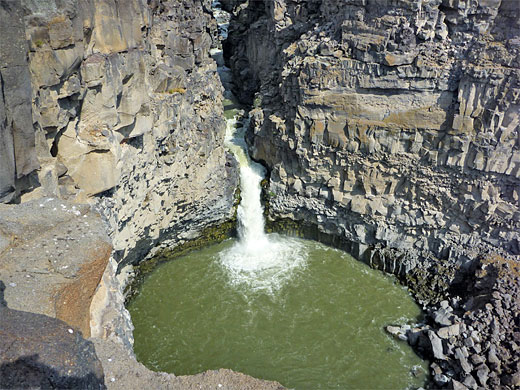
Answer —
(389, 128)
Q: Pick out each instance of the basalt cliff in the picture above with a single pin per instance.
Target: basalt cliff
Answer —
(390, 128)
(114, 108)
(392, 124)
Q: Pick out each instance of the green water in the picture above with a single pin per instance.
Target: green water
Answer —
(319, 327)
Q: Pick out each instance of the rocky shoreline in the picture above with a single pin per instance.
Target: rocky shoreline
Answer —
(473, 339)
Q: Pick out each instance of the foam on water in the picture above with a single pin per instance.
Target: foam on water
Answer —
(258, 261)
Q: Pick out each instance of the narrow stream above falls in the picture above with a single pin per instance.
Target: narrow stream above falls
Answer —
(274, 307)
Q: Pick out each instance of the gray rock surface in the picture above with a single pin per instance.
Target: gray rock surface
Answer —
(123, 372)
(52, 256)
(481, 347)
(392, 126)
(17, 135)
(127, 112)
(37, 351)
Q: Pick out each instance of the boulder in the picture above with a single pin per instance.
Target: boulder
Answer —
(37, 351)
(54, 255)
(436, 345)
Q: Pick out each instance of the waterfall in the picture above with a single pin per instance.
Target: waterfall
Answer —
(260, 261)
(250, 212)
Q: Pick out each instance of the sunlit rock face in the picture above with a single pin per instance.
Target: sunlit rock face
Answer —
(392, 124)
(116, 101)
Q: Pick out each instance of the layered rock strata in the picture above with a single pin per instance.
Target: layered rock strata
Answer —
(392, 129)
(393, 125)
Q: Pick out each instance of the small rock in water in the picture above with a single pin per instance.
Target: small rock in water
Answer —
(398, 332)
(394, 330)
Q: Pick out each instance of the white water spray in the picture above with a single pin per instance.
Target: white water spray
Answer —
(259, 261)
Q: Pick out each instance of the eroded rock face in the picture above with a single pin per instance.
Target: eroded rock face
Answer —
(126, 109)
(394, 126)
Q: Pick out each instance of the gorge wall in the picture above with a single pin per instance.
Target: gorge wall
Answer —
(111, 106)
(391, 124)
(116, 103)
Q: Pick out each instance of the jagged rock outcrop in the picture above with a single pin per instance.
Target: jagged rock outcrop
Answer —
(393, 128)
(474, 337)
(126, 110)
(392, 125)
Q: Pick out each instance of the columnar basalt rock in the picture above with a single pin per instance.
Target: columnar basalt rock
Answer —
(17, 140)
(392, 127)
(126, 111)
(395, 126)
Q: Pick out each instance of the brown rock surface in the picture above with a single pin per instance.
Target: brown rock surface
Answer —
(52, 259)
(73, 300)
